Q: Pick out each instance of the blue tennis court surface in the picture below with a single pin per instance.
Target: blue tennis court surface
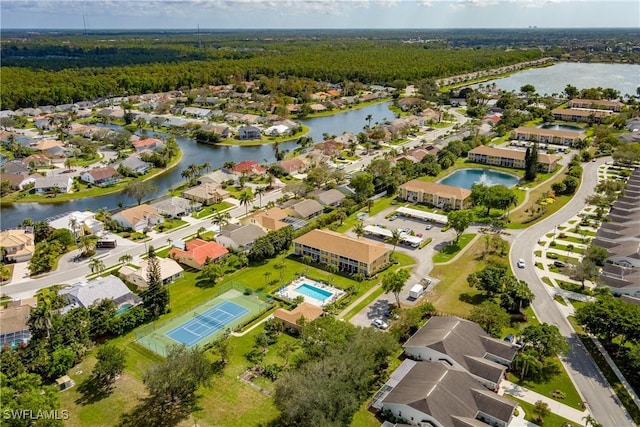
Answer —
(205, 324)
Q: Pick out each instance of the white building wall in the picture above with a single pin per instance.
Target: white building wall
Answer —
(411, 415)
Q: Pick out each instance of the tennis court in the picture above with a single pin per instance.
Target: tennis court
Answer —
(205, 324)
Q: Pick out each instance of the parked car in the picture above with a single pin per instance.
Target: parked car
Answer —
(429, 226)
(380, 324)
(559, 264)
(393, 217)
(521, 263)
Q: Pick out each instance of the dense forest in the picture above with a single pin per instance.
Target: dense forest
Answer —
(362, 61)
(44, 68)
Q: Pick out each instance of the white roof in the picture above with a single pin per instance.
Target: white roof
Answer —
(416, 288)
(441, 219)
(374, 229)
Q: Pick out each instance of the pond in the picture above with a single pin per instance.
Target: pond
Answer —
(555, 126)
(192, 152)
(548, 80)
(465, 178)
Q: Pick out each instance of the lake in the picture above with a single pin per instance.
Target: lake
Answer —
(192, 152)
(465, 178)
(548, 80)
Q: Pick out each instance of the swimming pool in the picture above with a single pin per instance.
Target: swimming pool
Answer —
(123, 309)
(313, 292)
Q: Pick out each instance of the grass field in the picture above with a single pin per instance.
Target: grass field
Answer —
(450, 251)
(551, 420)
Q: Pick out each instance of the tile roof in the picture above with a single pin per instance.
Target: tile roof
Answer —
(339, 244)
(309, 311)
(441, 190)
(200, 250)
(547, 132)
(249, 166)
(99, 174)
(138, 213)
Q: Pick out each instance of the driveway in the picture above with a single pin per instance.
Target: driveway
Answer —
(423, 261)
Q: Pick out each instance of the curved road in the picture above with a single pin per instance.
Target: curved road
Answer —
(581, 368)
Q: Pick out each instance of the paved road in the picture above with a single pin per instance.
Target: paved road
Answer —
(581, 368)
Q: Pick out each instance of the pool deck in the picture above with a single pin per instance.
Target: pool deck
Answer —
(289, 291)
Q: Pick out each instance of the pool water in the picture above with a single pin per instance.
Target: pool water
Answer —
(465, 178)
(313, 292)
(123, 309)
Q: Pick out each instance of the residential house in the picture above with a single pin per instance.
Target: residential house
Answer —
(198, 113)
(134, 164)
(148, 144)
(547, 136)
(347, 254)
(170, 271)
(51, 184)
(293, 166)
(15, 167)
(248, 167)
(599, 104)
(330, 197)
(207, 194)
(249, 132)
(14, 322)
(303, 209)
(197, 253)
(219, 176)
(17, 244)
(17, 181)
(269, 220)
(510, 158)
(435, 194)
(175, 207)
(435, 394)
(571, 115)
(87, 293)
(294, 319)
(464, 346)
(47, 144)
(139, 218)
(37, 161)
(277, 130)
(102, 176)
(239, 236)
(86, 223)
(223, 131)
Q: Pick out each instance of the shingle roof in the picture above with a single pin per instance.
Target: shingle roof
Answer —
(99, 174)
(88, 293)
(137, 213)
(306, 208)
(309, 311)
(330, 197)
(242, 235)
(446, 393)
(441, 190)
(339, 244)
(14, 319)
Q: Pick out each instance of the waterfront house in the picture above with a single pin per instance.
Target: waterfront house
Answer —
(106, 175)
(206, 193)
(249, 132)
(197, 253)
(138, 218)
(152, 144)
(510, 158)
(134, 164)
(293, 166)
(435, 194)
(249, 167)
(175, 207)
(347, 254)
(51, 184)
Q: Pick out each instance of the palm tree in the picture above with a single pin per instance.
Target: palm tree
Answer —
(394, 240)
(246, 198)
(88, 243)
(358, 229)
(221, 218)
(368, 119)
(200, 231)
(526, 360)
(73, 223)
(96, 265)
(126, 258)
(266, 275)
(259, 192)
(590, 421)
(207, 166)
(541, 409)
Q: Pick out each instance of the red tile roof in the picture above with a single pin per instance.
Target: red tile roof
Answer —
(249, 166)
(199, 250)
(148, 142)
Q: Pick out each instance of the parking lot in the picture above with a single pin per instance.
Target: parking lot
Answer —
(379, 308)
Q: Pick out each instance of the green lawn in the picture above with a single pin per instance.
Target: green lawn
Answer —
(211, 209)
(169, 224)
(560, 382)
(452, 295)
(448, 252)
(560, 247)
(551, 420)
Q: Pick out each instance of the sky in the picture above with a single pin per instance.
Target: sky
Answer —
(317, 14)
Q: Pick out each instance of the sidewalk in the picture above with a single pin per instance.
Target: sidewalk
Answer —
(358, 301)
(565, 411)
